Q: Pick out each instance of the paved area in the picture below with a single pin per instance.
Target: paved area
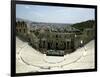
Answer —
(30, 60)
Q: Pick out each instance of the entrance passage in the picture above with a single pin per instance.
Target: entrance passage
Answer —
(56, 45)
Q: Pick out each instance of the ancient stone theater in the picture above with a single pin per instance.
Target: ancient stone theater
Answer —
(51, 39)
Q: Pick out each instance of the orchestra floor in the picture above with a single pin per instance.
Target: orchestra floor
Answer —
(30, 60)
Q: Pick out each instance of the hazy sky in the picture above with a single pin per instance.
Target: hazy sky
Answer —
(54, 14)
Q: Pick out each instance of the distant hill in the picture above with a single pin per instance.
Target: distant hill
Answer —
(80, 26)
(83, 25)
(25, 20)
(43, 23)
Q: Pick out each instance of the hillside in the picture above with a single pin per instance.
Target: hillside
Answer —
(83, 25)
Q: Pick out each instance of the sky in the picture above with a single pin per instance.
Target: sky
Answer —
(54, 14)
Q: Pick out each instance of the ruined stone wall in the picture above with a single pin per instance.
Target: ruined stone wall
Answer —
(21, 30)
